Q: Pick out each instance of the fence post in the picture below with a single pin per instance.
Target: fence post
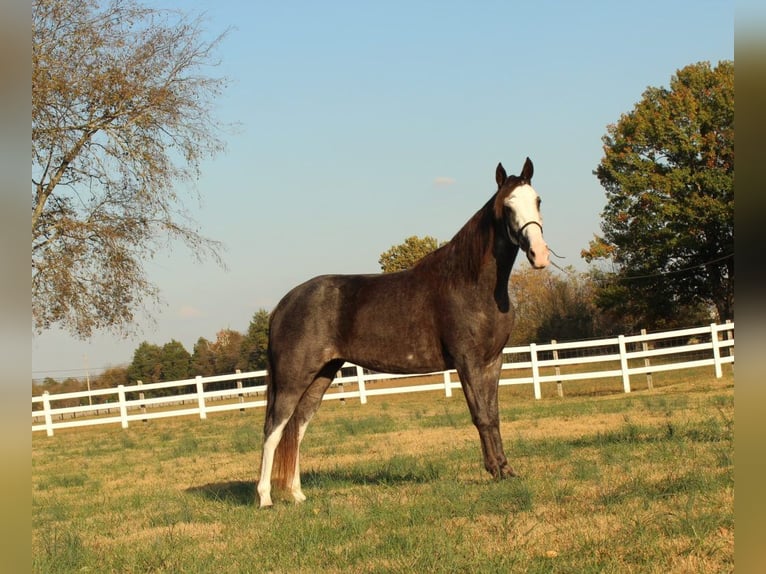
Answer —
(729, 337)
(716, 350)
(535, 370)
(123, 406)
(201, 397)
(624, 363)
(559, 386)
(647, 362)
(47, 413)
(360, 383)
(142, 406)
(240, 394)
(447, 384)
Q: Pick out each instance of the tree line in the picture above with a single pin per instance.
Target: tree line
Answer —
(153, 363)
(565, 306)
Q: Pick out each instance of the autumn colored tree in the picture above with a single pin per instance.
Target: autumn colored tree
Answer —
(668, 225)
(110, 378)
(226, 351)
(121, 121)
(405, 255)
(203, 358)
(550, 305)
(47, 384)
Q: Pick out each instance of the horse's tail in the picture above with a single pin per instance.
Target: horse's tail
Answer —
(286, 453)
(286, 456)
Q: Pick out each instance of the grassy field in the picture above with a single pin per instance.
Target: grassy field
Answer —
(609, 483)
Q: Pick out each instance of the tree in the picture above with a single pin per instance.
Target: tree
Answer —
(226, 351)
(255, 343)
(48, 384)
(110, 378)
(668, 172)
(552, 306)
(121, 115)
(147, 363)
(626, 308)
(405, 255)
(176, 361)
(203, 358)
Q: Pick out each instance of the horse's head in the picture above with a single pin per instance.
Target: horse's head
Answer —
(518, 206)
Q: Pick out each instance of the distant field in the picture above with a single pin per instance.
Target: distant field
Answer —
(641, 482)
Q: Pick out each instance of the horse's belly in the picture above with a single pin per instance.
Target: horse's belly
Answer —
(395, 354)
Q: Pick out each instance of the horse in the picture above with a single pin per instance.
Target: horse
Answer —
(451, 310)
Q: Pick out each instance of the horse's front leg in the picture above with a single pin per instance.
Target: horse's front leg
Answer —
(480, 385)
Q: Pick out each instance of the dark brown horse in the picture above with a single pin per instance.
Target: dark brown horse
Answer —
(450, 311)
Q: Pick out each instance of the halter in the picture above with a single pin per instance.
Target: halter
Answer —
(516, 238)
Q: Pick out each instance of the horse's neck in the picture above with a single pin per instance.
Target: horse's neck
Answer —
(480, 251)
(482, 244)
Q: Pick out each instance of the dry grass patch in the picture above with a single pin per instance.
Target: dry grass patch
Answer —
(627, 483)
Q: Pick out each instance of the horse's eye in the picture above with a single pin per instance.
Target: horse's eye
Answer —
(539, 201)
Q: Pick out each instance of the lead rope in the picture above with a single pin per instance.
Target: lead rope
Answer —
(556, 265)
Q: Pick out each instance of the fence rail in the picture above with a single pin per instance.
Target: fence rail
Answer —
(625, 356)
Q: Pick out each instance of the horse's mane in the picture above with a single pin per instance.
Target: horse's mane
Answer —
(465, 254)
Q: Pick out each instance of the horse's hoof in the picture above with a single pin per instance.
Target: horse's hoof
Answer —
(299, 497)
(507, 472)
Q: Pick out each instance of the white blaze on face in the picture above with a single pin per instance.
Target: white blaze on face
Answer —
(524, 204)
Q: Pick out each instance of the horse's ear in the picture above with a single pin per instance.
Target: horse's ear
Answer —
(527, 170)
(500, 175)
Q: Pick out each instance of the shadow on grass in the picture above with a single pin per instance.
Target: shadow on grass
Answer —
(397, 470)
(235, 492)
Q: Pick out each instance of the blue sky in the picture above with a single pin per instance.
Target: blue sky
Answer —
(363, 123)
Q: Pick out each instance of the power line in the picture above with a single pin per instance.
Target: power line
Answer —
(42, 374)
(683, 270)
(661, 274)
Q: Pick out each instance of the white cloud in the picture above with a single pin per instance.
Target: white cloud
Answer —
(187, 312)
(444, 180)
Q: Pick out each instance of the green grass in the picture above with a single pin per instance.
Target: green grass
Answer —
(619, 483)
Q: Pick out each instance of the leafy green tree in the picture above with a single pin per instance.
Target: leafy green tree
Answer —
(405, 255)
(147, 363)
(176, 361)
(668, 226)
(626, 308)
(122, 117)
(255, 343)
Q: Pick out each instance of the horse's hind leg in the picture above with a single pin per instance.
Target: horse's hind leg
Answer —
(281, 405)
(271, 440)
(307, 408)
(288, 413)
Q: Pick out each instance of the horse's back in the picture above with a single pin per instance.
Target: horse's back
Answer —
(385, 322)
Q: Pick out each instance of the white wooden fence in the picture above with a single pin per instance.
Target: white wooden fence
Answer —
(632, 355)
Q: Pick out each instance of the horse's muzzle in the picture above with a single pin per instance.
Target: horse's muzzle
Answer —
(538, 254)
